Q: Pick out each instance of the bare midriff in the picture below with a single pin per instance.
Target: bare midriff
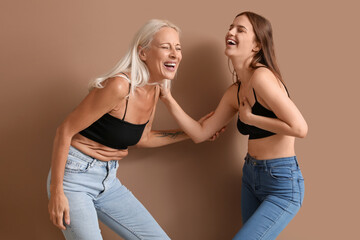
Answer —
(276, 146)
(97, 150)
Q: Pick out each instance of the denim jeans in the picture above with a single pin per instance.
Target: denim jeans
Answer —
(94, 192)
(272, 193)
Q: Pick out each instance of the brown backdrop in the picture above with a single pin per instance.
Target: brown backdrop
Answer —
(50, 49)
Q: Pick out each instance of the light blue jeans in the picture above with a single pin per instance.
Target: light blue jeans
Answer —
(272, 193)
(94, 192)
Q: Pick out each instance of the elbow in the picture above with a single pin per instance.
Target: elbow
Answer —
(63, 132)
(59, 131)
(301, 131)
(197, 140)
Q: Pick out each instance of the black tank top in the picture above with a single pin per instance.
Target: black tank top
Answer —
(114, 132)
(257, 109)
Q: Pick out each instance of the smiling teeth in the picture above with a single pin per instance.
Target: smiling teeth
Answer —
(231, 42)
(170, 64)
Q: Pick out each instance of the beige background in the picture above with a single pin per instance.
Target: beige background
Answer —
(50, 49)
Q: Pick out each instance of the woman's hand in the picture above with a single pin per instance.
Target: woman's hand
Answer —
(165, 89)
(217, 134)
(245, 113)
(59, 210)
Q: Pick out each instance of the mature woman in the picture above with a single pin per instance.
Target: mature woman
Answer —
(273, 187)
(117, 113)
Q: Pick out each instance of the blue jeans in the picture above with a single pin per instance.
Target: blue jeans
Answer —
(94, 192)
(272, 193)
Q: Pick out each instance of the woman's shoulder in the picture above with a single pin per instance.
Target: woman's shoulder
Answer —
(117, 86)
(263, 77)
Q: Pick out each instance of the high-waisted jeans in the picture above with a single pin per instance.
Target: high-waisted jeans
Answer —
(272, 193)
(94, 192)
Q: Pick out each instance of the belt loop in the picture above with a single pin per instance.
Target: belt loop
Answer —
(297, 164)
(246, 159)
(93, 162)
(265, 161)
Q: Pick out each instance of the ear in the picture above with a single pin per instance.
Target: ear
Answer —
(142, 53)
(257, 47)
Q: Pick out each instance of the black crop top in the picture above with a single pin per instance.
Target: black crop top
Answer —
(114, 132)
(257, 109)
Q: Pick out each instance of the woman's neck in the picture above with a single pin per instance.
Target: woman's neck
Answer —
(149, 87)
(242, 69)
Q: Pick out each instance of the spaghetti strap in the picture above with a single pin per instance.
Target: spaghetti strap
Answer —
(123, 75)
(255, 95)
(128, 96)
(127, 100)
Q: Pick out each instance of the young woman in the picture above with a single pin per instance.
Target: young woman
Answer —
(273, 187)
(117, 113)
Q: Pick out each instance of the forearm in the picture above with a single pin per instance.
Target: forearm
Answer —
(158, 138)
(192, 128)
(58, 161)
(278, 126)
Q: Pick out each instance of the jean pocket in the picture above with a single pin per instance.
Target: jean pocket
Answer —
(281, 173)
(76, 165)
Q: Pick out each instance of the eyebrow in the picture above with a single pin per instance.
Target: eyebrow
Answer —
(177, 44)
(232, 25)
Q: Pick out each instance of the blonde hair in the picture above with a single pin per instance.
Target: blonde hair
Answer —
(131, 62)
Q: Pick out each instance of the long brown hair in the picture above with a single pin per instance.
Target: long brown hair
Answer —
(263, 33)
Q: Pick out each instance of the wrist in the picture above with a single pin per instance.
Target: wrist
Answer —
(55, 189)
(167, 98)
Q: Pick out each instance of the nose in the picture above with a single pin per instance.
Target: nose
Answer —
(173, 53)
(231, 31)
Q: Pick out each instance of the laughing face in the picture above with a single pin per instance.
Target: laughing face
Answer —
(240, 39)
(164, 55)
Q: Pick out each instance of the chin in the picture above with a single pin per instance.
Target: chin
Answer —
(227, 53)
(169, 76)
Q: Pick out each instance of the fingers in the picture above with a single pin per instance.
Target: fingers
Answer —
(59, 222)
(223, 129)
(57, 219)
(59, 210)
(217, 134)
(67, 217)
(124, 153)
(165, 88)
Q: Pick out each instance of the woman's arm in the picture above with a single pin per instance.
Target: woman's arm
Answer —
(289, 119)
(199, 132)
(97, 103)
(161, 138)
(158, 138)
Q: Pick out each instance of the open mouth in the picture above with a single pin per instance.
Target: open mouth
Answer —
(170, 65)
(230, 42)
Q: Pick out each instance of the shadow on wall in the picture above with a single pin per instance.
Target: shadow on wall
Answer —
(192, 190)
(39, 104)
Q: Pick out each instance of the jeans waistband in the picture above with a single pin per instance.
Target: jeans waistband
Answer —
(76, 153)
(274, 162)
